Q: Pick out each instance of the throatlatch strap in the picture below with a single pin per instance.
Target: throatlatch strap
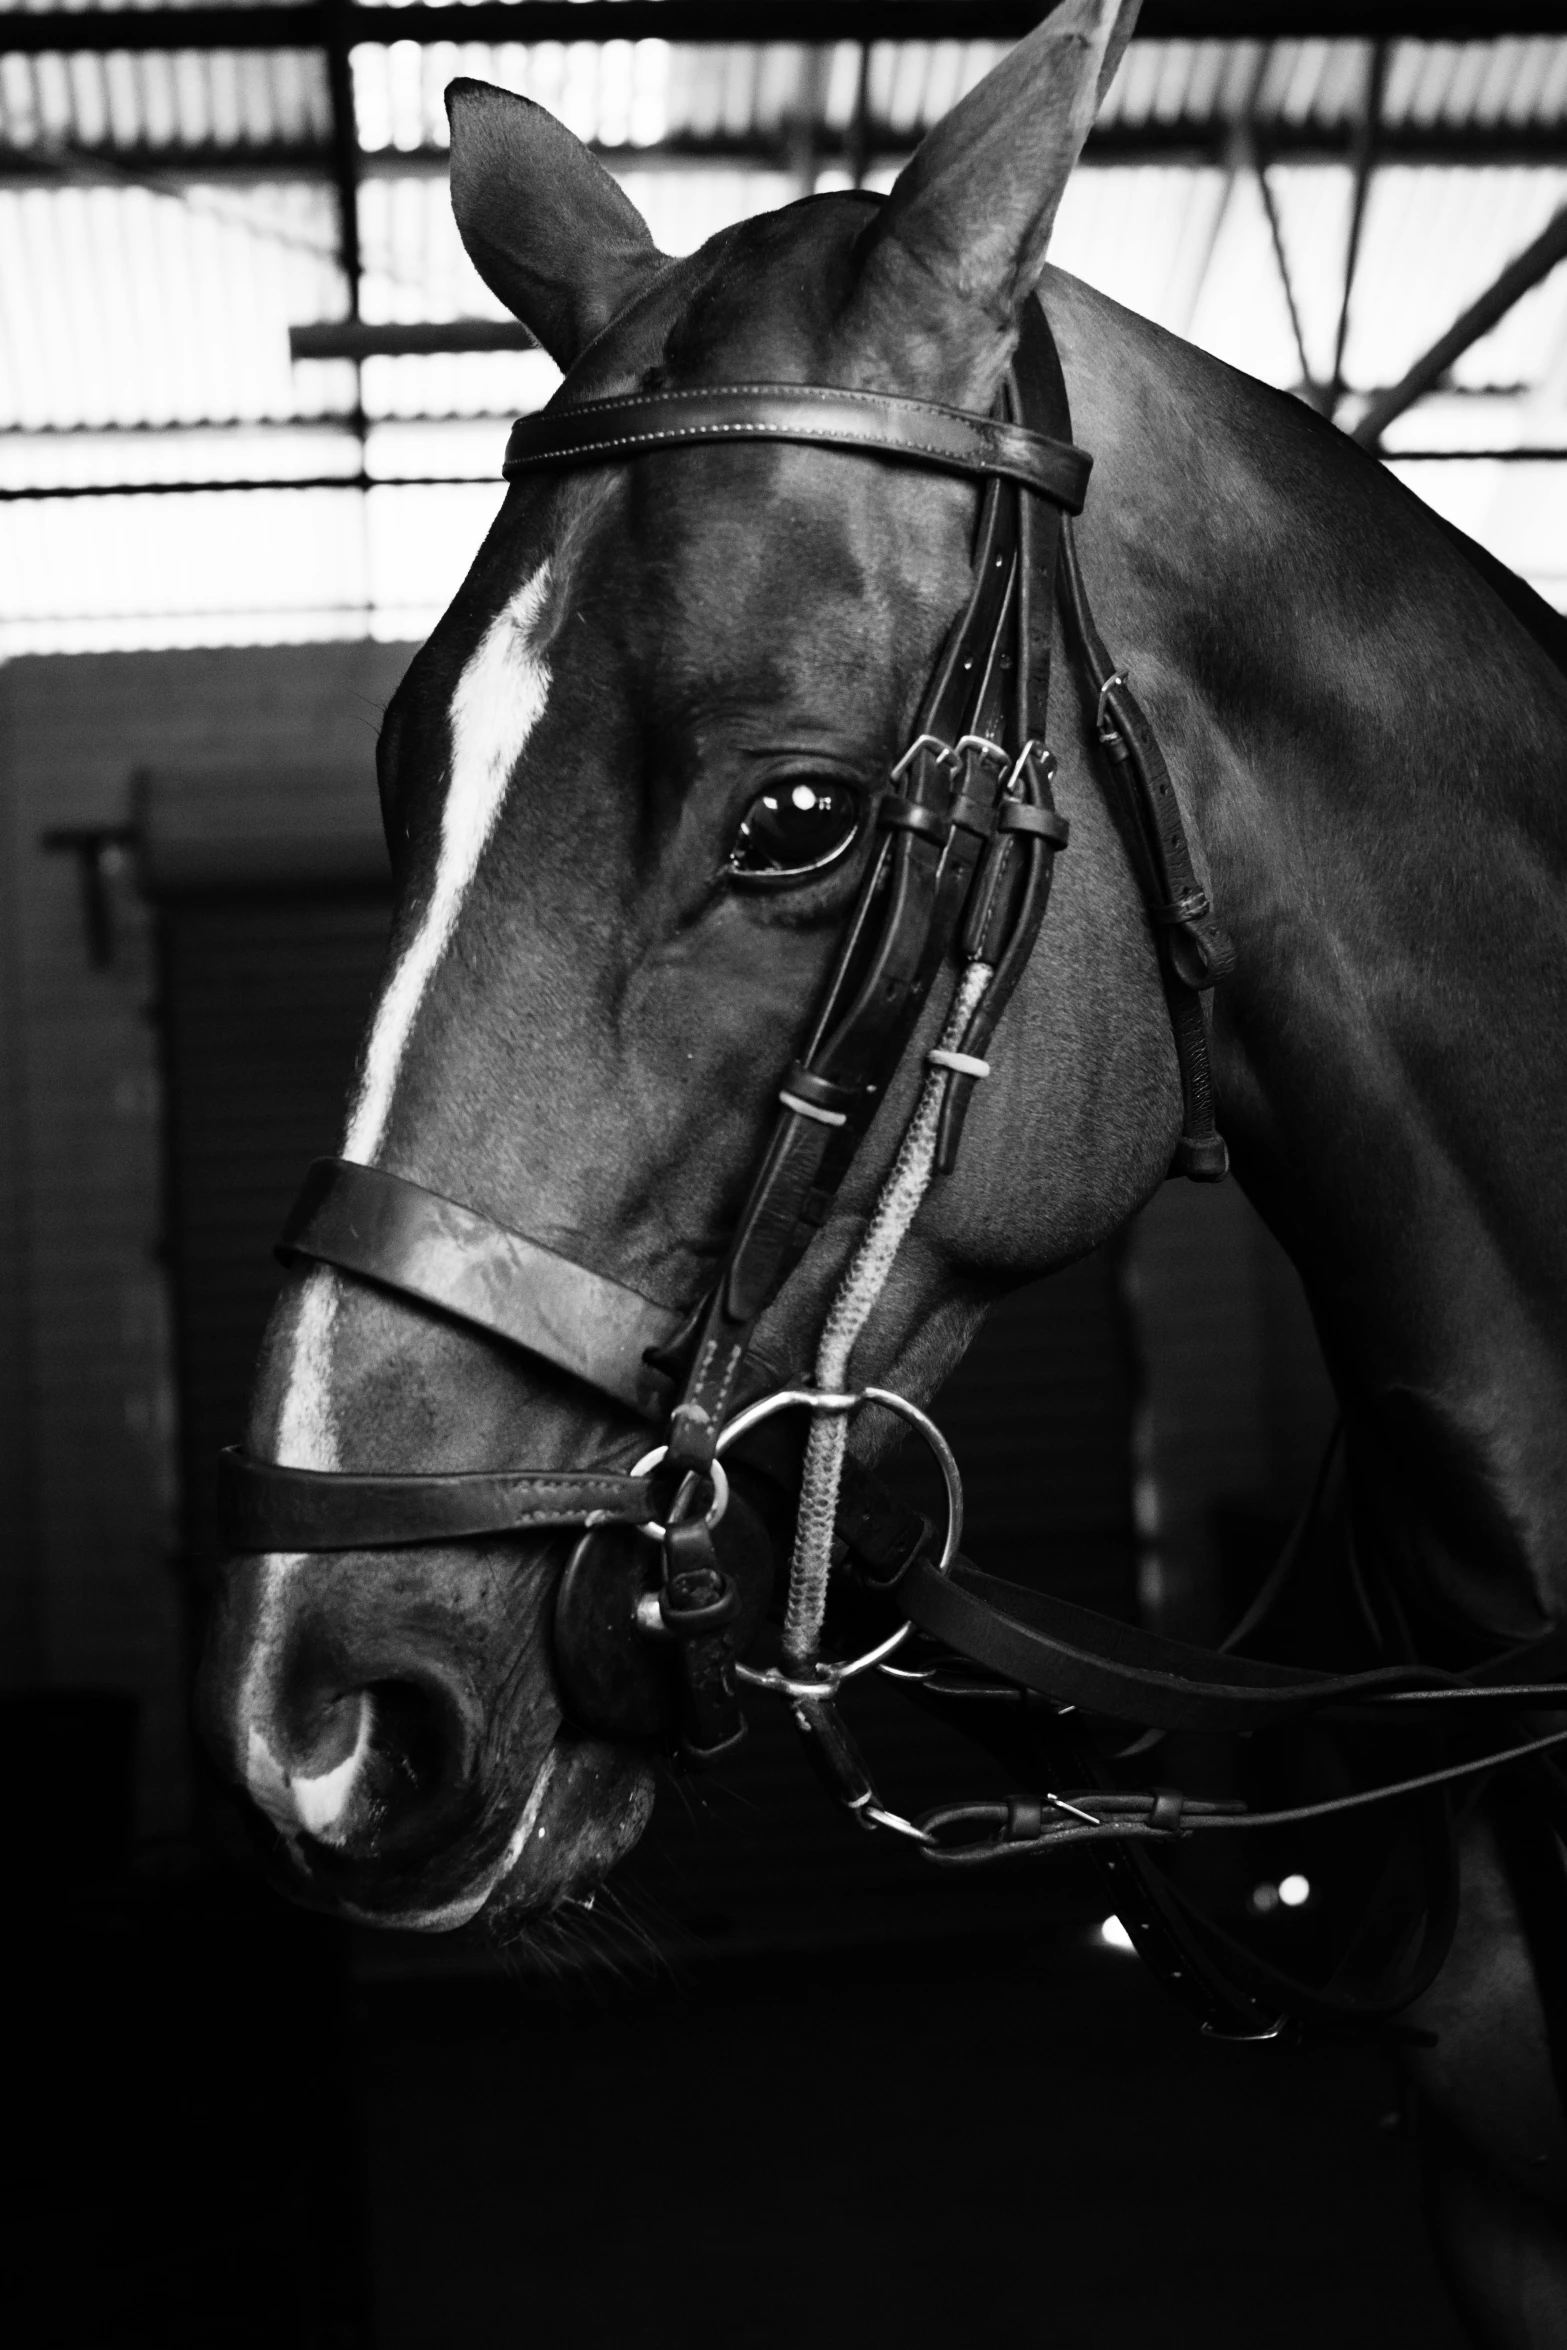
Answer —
(1194, 952)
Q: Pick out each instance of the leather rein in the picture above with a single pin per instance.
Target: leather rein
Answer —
(959, 875)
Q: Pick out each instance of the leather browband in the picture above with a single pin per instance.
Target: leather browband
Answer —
(267, 1508)
(384, 1228)
(869, 423)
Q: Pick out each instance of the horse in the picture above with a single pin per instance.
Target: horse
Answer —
(630, 789)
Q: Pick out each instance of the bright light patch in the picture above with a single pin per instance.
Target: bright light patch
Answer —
(804, 796)
(1114, 1935)
(1293, 1891)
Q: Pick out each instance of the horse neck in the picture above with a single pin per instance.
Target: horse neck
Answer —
(1372, 749)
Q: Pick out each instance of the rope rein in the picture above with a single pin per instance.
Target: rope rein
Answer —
(862, 1285)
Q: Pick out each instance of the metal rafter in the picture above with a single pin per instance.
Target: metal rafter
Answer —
(1246, 145)
(32, 494)
(1534, 263)
(310, 25)
(62, 162)
(344, 144)
(1366, 146)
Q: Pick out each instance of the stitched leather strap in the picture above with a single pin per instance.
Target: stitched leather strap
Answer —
(267, 1508)
(1076, 1657)
(871, 423)
(1012, 890)
(1194, 951)
(384, 1228)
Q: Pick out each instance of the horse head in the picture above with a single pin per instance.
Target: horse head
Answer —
(628, 787)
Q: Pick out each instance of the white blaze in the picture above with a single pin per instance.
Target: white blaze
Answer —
(306, 1438)
(499, 700)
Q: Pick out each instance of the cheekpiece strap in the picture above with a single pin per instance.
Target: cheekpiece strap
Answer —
(877, 424)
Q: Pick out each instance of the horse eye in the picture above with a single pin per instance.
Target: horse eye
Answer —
(793, 830)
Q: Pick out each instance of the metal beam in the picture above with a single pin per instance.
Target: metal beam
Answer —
(191, 489)
(417, 481)
(351, 339)
(344, 143)
(59, 163)
(308, 26)
(1538, 454)
(1535, 262)
(1365, 160)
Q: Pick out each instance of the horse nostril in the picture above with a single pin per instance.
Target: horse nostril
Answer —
(417, 1749)
(365, 1770)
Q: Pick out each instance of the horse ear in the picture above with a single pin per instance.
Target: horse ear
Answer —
(960, 243)
(545, 226)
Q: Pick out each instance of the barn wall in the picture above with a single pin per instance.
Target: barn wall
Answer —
(87, 1434)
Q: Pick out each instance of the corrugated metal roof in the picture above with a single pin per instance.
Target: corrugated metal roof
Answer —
(1433, 241)
(642, 93)
(268, 567)
(164, 100)
(122, 305)
(139, 304)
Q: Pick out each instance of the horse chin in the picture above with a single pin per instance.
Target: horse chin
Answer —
(587, 1809)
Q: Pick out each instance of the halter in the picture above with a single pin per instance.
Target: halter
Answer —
(966, 835)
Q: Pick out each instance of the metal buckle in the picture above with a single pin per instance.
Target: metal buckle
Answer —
(983, 748)
(1033, 752)
(942, 753)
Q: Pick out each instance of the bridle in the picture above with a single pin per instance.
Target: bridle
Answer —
(958, 876)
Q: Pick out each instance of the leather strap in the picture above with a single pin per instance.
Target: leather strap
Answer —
(1011, 894)
(267, 1508)
(1194, 951)
(1077, 1657)
(383, 1228)
(874, 424)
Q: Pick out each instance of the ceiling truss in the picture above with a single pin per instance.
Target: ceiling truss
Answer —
(338, 27)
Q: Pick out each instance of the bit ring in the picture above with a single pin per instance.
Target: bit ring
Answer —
(814, 1399)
